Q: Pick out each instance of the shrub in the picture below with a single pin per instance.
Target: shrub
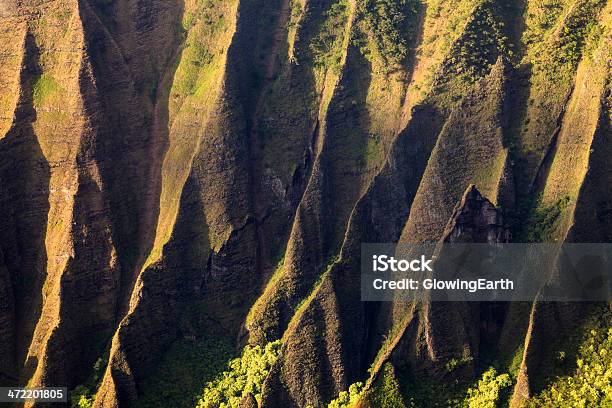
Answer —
(543, 221)
(82, 396)
(346, 399)
(591, 384)
(488, 390)
(245, 375)
(391, 23)
(386, 393)
(326, 47)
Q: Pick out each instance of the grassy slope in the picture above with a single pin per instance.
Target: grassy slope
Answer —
(317, 130)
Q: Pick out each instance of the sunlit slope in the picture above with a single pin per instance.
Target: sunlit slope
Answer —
(176, 170)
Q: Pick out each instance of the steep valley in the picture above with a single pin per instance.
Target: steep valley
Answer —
(186, 184)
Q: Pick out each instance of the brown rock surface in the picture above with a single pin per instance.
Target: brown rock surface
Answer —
(193, 168)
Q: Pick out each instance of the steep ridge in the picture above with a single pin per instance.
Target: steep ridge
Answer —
(321, 318)
(427, 350)
(469, 150)
(175, 278)
(79, 264)
(171, 171)
(554, 39)
(501, 184)
(47, 184)
(583, 121)
(310, 244)
(132, 46)
(219, 267)
(361, 142)
(443, 329)
(12, 78)
(13, 36)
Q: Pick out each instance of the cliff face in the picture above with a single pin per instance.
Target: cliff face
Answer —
(195, 168)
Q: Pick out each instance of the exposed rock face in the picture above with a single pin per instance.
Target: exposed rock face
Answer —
(476, 219)
(457, 330)
(195, 168)
(248, 401)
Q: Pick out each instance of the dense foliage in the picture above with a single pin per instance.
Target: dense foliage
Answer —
(245, 375)
(386, 392)
(591, 384)
(346, 399)
(488, 391)
(560, 47)
(183, 372)
(479, 45)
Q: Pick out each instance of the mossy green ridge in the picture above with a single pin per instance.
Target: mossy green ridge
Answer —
(191, 178)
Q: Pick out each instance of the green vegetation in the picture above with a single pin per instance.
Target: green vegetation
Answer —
(477, 49)
(541, 18)
(204, 27)
(556, 36)
(591, 383)
(262, 316)
(541, 221)
(327, 47)
(488, 391)
(424, 391)
(296, 8)
(330, 263)
(454, 363)
(556, 43)
(246, 375)
(258, 307)
(184, 370)
(492, 389)
(470, 41)
(455, 14)
(83, 395)
(45, 87)
(386, 392)
(347, 399)
(197, 56)
(391, 23)
(514, 363)
(574, 34)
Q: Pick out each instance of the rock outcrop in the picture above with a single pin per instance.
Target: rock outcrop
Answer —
(185, 168)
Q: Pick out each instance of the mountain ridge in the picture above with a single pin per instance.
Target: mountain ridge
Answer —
(176, 169)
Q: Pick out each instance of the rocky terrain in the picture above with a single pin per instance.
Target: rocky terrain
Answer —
(176, 171)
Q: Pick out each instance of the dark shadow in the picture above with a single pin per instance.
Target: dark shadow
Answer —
(24, 205)
(125, 143)
(171, 311)
(132, 91)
